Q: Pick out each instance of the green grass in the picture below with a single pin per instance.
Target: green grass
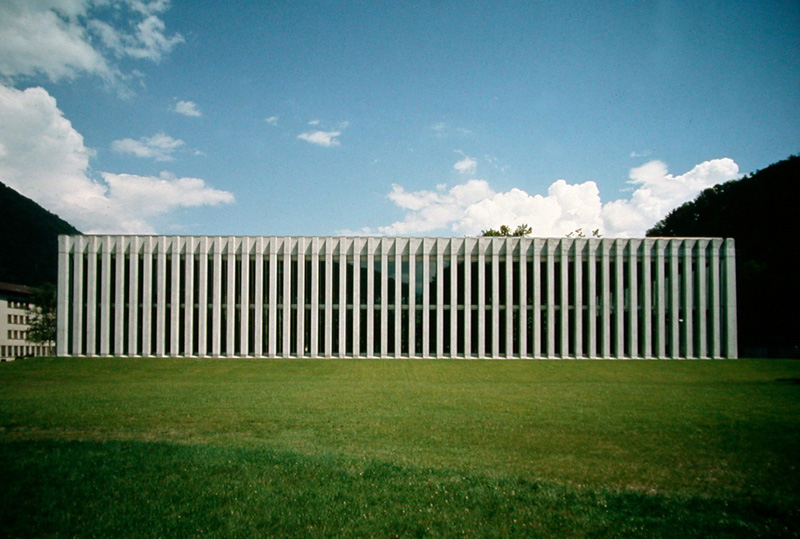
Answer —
(337, 448)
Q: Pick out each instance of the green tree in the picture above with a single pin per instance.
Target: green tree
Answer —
(42, 315)
(505, 231)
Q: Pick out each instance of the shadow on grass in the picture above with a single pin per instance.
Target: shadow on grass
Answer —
(139, 489)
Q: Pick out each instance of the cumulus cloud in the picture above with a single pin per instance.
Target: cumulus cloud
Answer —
(272, 120)
(61, 39)
(443, 130)
(158, 195)
(466, 165)
(473, 206)
(45, 159)
(321, 138)
(159, 147)
(188, 108)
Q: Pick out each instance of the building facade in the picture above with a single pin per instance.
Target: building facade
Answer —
(396, 297)
(14, 302)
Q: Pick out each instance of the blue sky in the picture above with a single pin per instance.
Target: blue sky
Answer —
(410, 117)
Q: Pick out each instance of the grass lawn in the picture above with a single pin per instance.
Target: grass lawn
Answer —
(394, 448)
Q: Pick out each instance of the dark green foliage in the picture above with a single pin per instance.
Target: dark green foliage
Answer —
(28, 240)
(505, 230)
(42, 314)
(760, 213)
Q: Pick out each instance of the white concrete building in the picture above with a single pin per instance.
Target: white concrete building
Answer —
(396, 297)
(14, 302)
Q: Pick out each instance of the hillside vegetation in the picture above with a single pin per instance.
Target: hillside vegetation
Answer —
(28, 240)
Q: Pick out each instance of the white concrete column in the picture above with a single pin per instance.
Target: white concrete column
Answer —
(633, 292)
(105, 296)
(287, 298)
(64, 278)
(357, 246)
(161, 295)
(647, 304)
(496, 245)
(469, 249)
(148, 246)
(272, 299)
(551, 245)
(119, 296)
(563, 256)
(188, 298)
(605, 268)
(202, 296)
(384, 284)
(91, 296)
(133, 297)
(674, 314)
(230, 297)
(426, 286)
(688, 297)
(661, 301)
(591, 311)
(702, 329)
(259, 320)
(413, 246)
(328, 330)
(619, 296)
(524, 247)
(510, 245)
(536, 334)
(729, 260)
(605, 296)
(343, 284)
(78, 295)
(314, 300)
(302, 350)
(175, 297)
(371, 247)
(455, 245)
(578, 246)
(716, 300)
(216, 301)
(244, 299)
(483, 245)
(399, 249)
(439, 249)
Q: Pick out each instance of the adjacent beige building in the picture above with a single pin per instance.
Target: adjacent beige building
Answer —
(14, 302)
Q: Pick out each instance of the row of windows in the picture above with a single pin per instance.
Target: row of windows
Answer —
(17, 304)
(13, 351)
(17, 319)
(16, 335)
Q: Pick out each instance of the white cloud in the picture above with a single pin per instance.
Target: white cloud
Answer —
(473, 206)
(432, 210)
(188, 108)
(272, 120)
(466, 165)
(45, 159)
(314, 122)
(159, 147)
(443, 130)
(321, 138)
(158, 195)
(62, 39)
(658, 192)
